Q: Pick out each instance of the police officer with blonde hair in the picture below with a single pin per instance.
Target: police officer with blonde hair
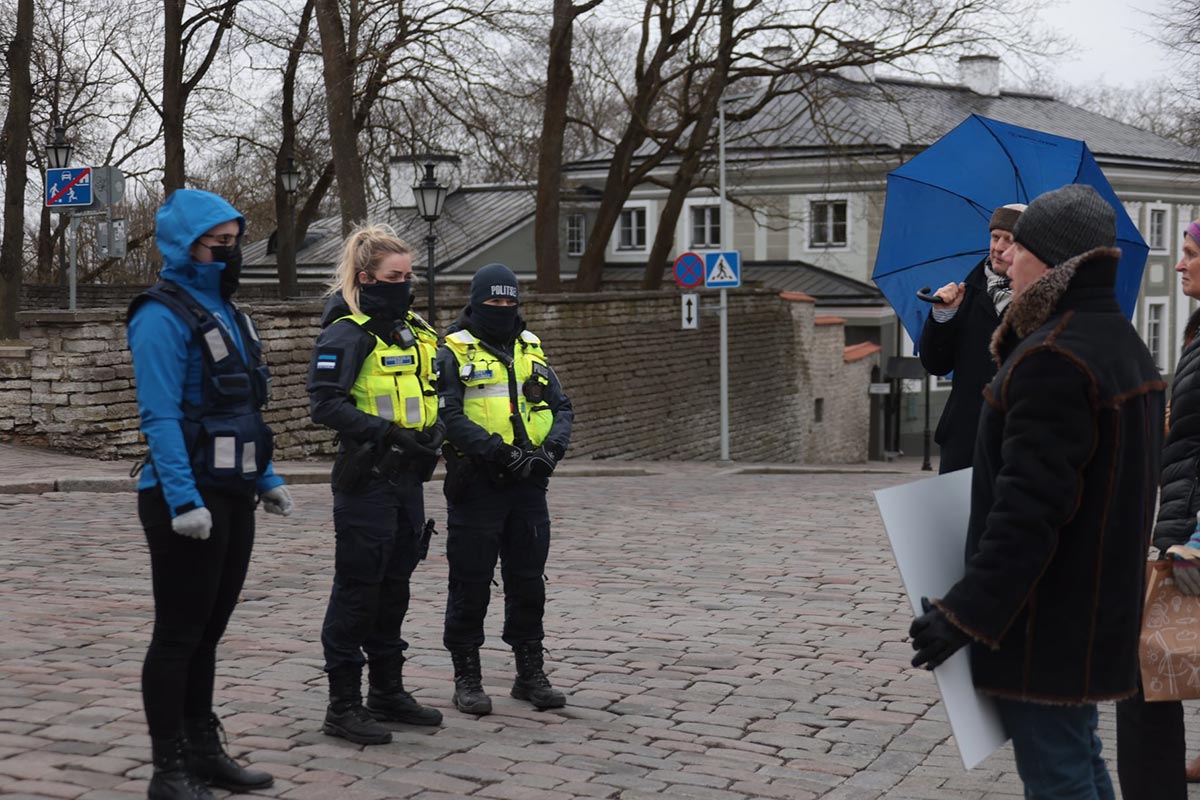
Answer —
(508, 424)
(372, 380)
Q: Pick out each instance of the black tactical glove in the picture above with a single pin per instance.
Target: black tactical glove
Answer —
(541, 462)
(433, 436)
(510, 458)
(407, 440)
(934, 637)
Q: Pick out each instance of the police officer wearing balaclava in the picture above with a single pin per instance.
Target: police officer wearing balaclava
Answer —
(508, 424)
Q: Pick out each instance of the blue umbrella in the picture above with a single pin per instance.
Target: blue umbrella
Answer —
(935, 218)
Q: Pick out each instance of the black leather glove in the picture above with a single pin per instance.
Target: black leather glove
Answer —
(934, 637)
(541, 462)
(510, 458)
(406, 439)
(433, 436)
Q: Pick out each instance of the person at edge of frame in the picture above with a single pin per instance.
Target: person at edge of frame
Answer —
(372, 379)
(201, 383)
(508, 424)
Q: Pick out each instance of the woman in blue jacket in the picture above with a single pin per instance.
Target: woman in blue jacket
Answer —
(201, 386)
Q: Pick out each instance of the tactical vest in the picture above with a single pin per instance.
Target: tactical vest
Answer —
(229, 444)
(396, 382)
(487, 398)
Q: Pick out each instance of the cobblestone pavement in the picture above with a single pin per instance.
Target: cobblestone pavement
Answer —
(720, 634)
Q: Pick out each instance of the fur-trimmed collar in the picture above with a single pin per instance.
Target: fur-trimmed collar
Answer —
(1036, 304)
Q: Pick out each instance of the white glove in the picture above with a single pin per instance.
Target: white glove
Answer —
(194, 524)
(277, 501)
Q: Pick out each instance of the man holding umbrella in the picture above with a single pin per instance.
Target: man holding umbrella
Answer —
(1062, 500)
(956, 336)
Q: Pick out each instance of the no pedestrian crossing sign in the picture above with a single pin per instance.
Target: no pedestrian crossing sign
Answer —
(68, 187)
(723, 270)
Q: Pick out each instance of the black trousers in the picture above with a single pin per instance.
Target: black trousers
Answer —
(1151, 750)
(196, 585)
(511, 524)
(378, 531)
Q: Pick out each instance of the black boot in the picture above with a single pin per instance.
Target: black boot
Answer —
(346, 717)
(469, 696)
(172, 780)
(388, 702)
(208, 761)
(531, 683)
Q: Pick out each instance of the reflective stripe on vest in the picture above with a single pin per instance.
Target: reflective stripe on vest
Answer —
(398, 383)
(486, 400)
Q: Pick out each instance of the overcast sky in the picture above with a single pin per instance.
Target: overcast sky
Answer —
(1114, 41)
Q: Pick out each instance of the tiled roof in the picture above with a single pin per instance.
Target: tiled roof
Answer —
(472, 217)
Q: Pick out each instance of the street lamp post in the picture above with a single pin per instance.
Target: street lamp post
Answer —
(285, 226)
(430, 196)
(58, 156)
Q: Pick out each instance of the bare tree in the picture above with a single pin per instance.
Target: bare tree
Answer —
(559, 78)
(13, 139)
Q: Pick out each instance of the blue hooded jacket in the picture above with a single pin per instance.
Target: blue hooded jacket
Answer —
(167, 362)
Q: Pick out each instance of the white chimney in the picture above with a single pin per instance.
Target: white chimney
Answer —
(857, 49)
(980, 74)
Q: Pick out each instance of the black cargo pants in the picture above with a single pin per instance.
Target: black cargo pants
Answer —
(511, 524)
(378, 532)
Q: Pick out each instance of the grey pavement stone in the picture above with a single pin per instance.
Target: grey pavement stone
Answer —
(720, 633)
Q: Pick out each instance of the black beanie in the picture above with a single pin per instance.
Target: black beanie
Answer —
(1066, 222)
(494, 280)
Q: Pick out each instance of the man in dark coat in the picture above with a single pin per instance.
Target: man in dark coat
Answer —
(1062, 497)
(956, 337)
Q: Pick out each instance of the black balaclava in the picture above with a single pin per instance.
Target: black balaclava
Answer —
(497, 324)
(231, 256)
(396, 297)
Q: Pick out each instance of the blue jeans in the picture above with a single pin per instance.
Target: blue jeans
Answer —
(1057, 750)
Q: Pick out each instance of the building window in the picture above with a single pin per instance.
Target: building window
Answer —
(1156, 234)
(827, 223)
(576, 234)
(632, 229)
(1154, 332)
(706, 227)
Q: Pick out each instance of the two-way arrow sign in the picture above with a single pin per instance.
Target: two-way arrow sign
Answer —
(691, 311)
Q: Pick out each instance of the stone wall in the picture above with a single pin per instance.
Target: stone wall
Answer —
(641, 387)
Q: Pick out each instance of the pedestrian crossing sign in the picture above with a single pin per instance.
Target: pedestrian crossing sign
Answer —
(723, 270)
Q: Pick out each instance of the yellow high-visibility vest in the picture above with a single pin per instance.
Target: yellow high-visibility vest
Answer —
(486, 399)
(399, 383)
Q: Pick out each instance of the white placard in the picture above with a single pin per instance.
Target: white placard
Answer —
(689, 310)
(926, 523)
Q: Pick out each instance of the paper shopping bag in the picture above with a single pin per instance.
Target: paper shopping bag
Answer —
(1169, 647)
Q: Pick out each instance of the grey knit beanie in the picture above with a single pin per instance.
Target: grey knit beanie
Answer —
(1066, 222)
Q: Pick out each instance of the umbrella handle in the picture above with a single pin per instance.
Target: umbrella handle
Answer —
(926, 293)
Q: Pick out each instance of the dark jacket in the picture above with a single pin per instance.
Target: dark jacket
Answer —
(960, 345)
(1062, 497)
(1180, 498)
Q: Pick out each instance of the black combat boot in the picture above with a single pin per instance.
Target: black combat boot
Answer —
(531, 683)
(172, 780)
(388, 702)
(346, 717)
(207, 759)
(469, 696)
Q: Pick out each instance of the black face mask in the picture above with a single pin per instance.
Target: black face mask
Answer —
(395, 296)
(231, 275)
(497, 324)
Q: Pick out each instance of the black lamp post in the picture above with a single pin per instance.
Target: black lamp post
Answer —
(430, 196)
(58, 152)
(289, 176)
